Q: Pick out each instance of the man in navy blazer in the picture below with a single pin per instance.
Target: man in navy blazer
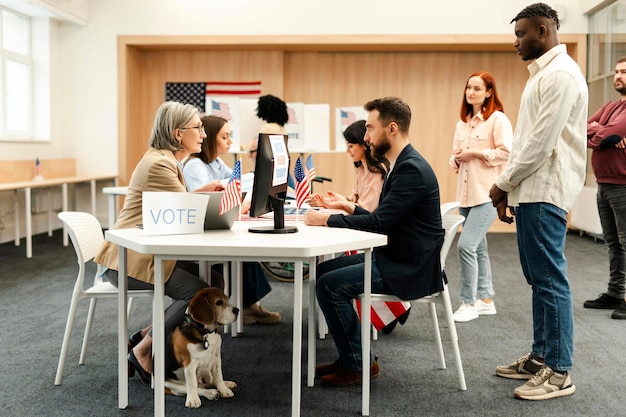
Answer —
(408, 213)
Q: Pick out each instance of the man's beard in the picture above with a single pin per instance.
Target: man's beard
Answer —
(381, 148)
(621, 90)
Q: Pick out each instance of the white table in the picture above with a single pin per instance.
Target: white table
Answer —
(235, 245)
(114, 193)
(28, 186)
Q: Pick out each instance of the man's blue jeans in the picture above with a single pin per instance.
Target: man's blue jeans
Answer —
(612, 210)
(339, 282)
(541, 230)
(472, 247)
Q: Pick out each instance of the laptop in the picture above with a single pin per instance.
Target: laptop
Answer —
(212, 219)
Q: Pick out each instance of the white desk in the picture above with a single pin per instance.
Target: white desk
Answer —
(114, 193)
(27, 186)
(235, 245)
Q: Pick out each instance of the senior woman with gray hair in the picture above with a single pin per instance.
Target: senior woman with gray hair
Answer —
(177, 132)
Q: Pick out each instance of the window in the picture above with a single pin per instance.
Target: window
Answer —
(16, 73)
(605, 45)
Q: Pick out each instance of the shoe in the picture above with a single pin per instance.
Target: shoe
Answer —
(604, 301)
(134, 340)
(465, 313)
(327, 369)
(343, 377)
(257, 314)
(524, 368)
(144, 376)
(485, 309)
(619, 313)
(544, 385)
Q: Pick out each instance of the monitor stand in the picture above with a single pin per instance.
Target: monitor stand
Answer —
(278, 207)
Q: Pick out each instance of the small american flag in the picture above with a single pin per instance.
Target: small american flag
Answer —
(303, 178)
(347, 118)
(303, 188)
(232, 193)
(310, 169)
(221, 110)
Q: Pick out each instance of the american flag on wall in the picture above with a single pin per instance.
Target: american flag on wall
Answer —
(347, 118)
(221, 109)
(196, 93)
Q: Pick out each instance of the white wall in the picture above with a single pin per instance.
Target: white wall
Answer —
(84, 58)
(84, 82)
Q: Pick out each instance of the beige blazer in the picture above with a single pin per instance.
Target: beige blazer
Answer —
(158, 170)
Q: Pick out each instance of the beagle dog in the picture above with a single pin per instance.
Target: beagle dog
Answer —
(193, 360)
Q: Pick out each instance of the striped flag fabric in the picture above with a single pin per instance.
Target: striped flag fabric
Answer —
(310, 169)
(303, 187)
(232, 193)
(234, 88)
(196, 93)
(347, 118)
(383, 313)
(221, 109)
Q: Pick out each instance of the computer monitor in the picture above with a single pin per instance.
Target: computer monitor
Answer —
(269, 188)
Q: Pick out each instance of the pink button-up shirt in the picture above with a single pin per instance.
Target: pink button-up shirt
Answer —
(493, 137)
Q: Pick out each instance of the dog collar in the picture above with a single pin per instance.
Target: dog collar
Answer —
(200, 327)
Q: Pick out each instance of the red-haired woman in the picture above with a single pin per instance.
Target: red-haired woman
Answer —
(480, 151)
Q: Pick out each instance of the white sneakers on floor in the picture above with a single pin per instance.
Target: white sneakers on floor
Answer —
(485, 309)
(468, 312)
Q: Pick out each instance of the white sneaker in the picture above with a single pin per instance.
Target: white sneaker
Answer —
(465, 313)
(485, 309)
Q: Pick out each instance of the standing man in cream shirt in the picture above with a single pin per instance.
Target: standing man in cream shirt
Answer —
(545, 173)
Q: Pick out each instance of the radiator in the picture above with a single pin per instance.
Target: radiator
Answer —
(584, 213)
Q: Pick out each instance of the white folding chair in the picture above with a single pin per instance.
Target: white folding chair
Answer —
(87, 237)
(449, 207)
(446, 208)
(451, 223)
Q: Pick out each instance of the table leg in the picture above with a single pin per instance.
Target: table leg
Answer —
(16, 206)
(310, 372)
(112, 209)
(237, 283)
(158, 338)
(365, 331)
(296, 370)
(28, 220)
(93, 198)
(49, 195)
(122, 329)
(65, 208)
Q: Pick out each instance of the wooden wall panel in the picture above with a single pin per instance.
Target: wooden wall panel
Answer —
(151, 69)
(431, 83)
(428, 72)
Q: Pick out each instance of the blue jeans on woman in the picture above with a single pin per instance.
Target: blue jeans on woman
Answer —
(611, 200)
(475, 268)
(339, 283)
(541, 230)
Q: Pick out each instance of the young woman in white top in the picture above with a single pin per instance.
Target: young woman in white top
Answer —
(480, 151)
